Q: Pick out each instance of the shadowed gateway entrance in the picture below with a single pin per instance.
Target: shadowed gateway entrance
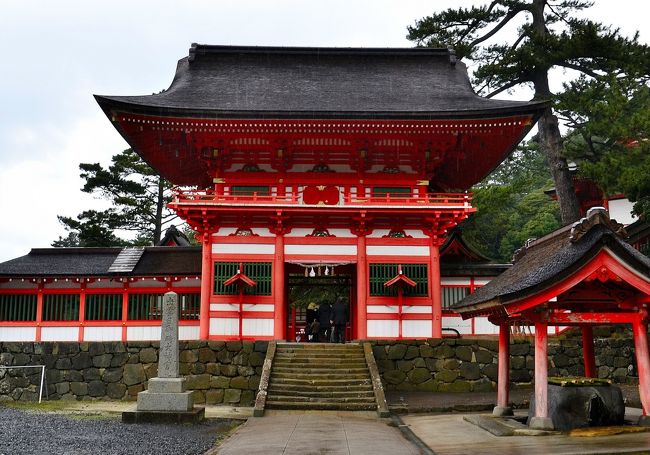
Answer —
(304, 289)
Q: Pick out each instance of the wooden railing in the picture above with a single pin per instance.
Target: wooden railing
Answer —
(442, 200)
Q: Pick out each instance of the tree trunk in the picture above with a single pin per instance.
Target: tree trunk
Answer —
(550, 139)
(551, 143)
(160, 202)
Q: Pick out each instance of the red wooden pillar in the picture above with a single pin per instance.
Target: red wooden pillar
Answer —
(280, 315)
(502, 408)
(125, 309)
(640, 330)
(588, 355)
(541, 420)
(82, 312)
(206, 285)
(361, 322)
(436, 292)
(39, 311)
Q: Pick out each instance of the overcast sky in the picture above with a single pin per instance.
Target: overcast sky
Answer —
(57, 54)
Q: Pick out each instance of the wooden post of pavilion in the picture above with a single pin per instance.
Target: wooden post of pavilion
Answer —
(640, 330)
(503, 382)
(588, 355)
(541, 420)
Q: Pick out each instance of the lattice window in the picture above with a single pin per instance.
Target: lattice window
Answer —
(189, 306)
(103, 307)
(61, 307)
(452, 295)
(148, 307)
(145, 307)
(380, 191)
(250, 190)
(258, 271)
(17, 307)
(380, 273)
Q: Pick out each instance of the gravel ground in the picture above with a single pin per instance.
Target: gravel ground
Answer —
(23, 433)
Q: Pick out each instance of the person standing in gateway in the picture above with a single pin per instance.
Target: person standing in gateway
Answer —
(339, 319)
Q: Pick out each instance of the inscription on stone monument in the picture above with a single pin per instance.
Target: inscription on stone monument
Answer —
(168, 356)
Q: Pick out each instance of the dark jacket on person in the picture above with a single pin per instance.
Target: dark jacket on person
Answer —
(325, 315)
(340, 313)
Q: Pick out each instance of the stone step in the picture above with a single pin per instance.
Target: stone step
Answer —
(308, 375)
(300, 388)
(328, 393)
(320, 360)
(319, 354)
(317, 371)
(304, 399)
(272, 404)
(319, 346)
(322, 382)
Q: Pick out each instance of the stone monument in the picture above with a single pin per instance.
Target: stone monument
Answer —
(166, 399)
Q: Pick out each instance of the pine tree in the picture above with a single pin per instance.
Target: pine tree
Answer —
(549, 36)
(138, 197)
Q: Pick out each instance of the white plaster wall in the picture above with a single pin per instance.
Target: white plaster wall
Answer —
(419, 309)
(321, 250)
(144, 333)
(257, 327)
(378, 328)
(60, 334)
(381, 309)
(243, 248)
(456, 322)
(17, 333)
(103, 333)
(224, 326)
(188, 332)
(419, 329)
(375, 250)
(455, 281)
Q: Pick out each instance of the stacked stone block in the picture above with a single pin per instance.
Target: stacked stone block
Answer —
(217, 371)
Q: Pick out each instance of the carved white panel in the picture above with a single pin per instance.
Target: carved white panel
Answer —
(102, 333)
(17, 333)
(60, 334)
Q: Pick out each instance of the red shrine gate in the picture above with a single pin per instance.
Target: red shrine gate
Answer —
(321, 157)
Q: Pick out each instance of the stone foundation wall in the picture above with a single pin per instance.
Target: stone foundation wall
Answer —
(218, 371)
(470, 364)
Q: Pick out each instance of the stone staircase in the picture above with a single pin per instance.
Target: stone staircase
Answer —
(320, 376)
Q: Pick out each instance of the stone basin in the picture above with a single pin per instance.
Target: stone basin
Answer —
(582, 402)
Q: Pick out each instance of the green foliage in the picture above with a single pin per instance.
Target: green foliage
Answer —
(317, 290)
(549, 35)
(512, 206)
(611, 120)
(138, 198)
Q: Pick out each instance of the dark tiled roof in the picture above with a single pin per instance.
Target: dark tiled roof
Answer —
(241, 81)
(546, 262)
(97, 261)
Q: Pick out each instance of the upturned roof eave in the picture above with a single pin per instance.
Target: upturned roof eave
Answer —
(126, 104)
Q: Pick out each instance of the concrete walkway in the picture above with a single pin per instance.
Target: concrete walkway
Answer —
(317, 432)
(449, 434)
